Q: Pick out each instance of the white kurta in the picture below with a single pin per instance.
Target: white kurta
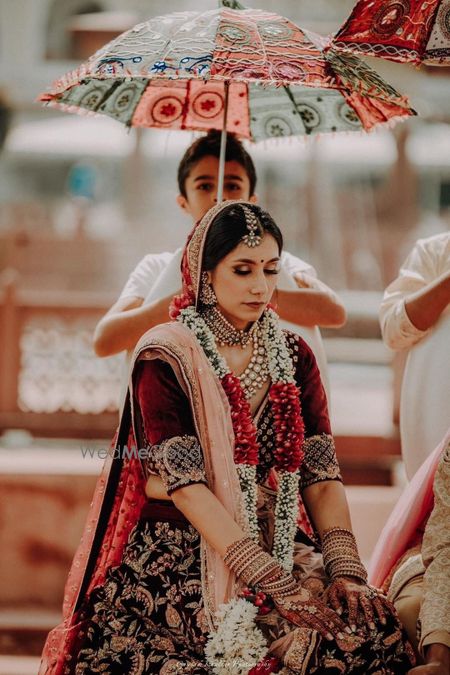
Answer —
(425, 396)
(158, 275)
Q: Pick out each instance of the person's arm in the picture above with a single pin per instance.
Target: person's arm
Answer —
(324, 496)
(426, 306)
(327, 505)
(437, 661)
(313, 304)
(320, 480)
(126, 321)
(219, 528)
(413, 302)
(227, 538)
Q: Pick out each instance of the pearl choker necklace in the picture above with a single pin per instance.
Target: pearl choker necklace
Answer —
(224, 331)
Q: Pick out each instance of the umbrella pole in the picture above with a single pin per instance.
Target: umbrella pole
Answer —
(223, 146)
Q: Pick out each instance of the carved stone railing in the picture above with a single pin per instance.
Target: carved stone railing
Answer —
(51, 382)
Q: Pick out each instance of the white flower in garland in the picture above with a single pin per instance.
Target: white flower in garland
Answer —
(286, 514)
(280, 362)
(286, 509)
(238, 645)
(247, 480)
(205, 336)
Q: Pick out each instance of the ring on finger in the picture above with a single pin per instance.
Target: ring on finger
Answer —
(371, 593)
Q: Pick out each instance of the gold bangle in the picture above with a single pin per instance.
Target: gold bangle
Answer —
(256, 567)
(340, 554)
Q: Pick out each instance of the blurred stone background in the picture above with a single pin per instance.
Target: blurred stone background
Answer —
(82, 200)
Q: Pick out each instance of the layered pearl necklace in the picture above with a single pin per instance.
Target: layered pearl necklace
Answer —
(256, 373)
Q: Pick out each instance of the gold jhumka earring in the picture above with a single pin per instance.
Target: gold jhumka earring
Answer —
(207, 295)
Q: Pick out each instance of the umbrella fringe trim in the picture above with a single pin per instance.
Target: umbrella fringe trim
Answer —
(389, 51)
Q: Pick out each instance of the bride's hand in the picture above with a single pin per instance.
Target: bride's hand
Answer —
(364, 602)
(303, 610)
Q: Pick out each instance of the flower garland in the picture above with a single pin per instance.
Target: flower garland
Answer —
(239, 639)
(284, 398)
(289, 432)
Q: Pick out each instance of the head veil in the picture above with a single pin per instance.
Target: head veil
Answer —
(177, 345)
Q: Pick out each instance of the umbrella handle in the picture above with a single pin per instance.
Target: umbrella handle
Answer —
(223, 145)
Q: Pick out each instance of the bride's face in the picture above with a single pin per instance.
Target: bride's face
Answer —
(245, 280)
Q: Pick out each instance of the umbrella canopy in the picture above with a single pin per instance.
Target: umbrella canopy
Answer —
(254, 70)
(414, 31)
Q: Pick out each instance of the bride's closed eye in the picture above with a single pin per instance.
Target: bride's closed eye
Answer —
(245, 272)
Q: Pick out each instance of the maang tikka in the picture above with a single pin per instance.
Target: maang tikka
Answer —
(207, 295)
(253, 238)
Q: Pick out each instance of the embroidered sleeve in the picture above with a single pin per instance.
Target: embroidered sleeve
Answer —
(320, 462)
(179, 462)
(313, 398)
(165, 425)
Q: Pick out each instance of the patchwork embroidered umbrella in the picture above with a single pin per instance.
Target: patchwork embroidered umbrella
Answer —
(415, 31)
(245, 71)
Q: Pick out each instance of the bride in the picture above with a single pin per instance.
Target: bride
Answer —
(224, 544)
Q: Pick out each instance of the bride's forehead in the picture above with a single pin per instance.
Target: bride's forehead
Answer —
(266, 250)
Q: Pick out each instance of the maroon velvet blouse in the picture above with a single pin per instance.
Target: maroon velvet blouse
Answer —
(167, 426)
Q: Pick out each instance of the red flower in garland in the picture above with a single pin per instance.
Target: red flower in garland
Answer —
(246, 445)
(289, 427)
(180, 302)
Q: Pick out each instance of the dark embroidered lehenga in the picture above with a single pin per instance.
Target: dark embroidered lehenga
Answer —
(148, 616)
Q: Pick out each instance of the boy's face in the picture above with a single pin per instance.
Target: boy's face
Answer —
(201, 186)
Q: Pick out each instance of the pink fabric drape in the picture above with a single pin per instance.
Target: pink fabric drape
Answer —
(176, 344)
(413, 507)
(129, 497)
